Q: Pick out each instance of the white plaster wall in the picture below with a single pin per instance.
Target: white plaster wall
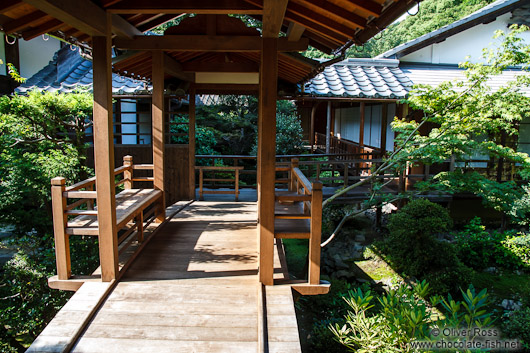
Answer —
(35, 54)
(467, 43)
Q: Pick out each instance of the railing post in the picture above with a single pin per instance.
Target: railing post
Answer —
(292, 180)
(60, 220)
(315, 237)
(128, 174)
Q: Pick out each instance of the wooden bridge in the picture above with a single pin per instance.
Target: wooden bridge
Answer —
(193, 288)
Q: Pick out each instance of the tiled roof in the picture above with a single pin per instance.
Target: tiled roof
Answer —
(68, 72)
(361, 78)
(384, 79)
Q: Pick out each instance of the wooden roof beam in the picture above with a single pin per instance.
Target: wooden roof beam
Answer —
(49, 26)
(371, 7)
(317, 28)
(295, 31)
(157, 22)
(85, 16)
(273, 14)
(185, 6)
(337, 11)
(23, 22)
(220, 67)
(174, 68)
(205, 43)
(321, 19)
(8, 5)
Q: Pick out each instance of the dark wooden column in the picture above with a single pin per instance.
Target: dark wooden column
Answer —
(158, 125)
(361, 126)
(384, 123)
(104, 154)
(328, 127)
(191, 142)
(267, 156)
(312, 129)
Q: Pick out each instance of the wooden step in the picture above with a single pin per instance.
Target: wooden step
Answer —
(291, 216)
(304, 288)
(291, 196)
(292, 228)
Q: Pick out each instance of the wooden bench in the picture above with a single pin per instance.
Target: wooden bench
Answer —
(135, 210)
(203, 169)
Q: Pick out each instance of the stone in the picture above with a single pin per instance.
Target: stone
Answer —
(492, 270)
(360, 238)
(511, 305)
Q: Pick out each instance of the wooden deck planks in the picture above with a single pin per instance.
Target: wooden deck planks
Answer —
(193, 288)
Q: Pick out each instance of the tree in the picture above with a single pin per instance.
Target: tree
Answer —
(462, 111)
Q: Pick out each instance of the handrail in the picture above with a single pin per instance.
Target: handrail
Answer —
(303, 180)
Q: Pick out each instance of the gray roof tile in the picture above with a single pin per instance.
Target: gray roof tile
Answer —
(74, 73)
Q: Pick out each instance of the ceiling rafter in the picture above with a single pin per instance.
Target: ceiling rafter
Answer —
(24, 21)
(335, 11)
(373, 8)
(8, 5)
(85, 16)
(49, 26)
(184, 6)
(273, 14)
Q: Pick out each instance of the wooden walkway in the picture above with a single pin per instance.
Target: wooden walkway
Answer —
(193, 288)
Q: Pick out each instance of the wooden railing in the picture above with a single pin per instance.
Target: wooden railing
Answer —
(310, 195)
(80, 216)
(337, 145)
(202, 169)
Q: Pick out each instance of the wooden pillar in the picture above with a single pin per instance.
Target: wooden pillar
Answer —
(267, 156)
(328, 128)
(62, 240)
(316, 229)
(361, 126)
(157, 111)
(384, 123)
(104, 154)
(191, 142)
(312, 129)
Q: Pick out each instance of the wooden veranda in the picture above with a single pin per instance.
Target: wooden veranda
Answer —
(207, 53)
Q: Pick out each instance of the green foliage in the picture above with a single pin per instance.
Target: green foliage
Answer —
(519, 246)
(516, 326)
(478, 248)
(289, 134)
(205, 140)
(402, 315)
(413, 249)
(317, 312)
(41, 137)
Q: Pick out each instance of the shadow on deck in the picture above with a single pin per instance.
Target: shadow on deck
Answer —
(193, 288)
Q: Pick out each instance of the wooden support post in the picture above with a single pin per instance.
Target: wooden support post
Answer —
(361, 127)
(312, 129)
(292, 179)
(90, 202)
(104, 154)
(384, 123)
(316, 229)
(191, 142)
(346, 174)
(237, 184)
(267, 156)
(158, 125)
(328, 128)
(62, 241)
(201, 182)
(128, 174)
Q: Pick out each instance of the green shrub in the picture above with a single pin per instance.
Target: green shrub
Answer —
(517, 326)
(519, 247)
(413, 249)
(401, 316)
(478, 248)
